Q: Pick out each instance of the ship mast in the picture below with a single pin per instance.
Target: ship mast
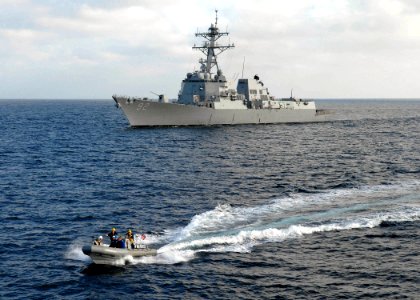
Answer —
(210, 48)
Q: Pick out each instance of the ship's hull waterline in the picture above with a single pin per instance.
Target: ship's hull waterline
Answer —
(146, 113)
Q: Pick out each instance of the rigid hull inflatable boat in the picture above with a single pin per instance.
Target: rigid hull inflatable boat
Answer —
(105, 255)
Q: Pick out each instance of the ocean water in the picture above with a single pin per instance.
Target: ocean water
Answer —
(310, 211)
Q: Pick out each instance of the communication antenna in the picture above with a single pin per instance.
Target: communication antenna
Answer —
(235, 76)
(210, 48)
(243, 66)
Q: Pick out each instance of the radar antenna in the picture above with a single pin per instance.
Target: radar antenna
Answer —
(210, 48)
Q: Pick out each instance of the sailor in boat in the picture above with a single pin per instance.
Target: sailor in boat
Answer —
(120, 243)
(129, 239)
(113, 236)
(98, 241)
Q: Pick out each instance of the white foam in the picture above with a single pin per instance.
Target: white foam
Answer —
(245, 239)
(225, 217)
(167, 257)
(75, 252)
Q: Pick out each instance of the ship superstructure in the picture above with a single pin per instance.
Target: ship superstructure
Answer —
(206, 98)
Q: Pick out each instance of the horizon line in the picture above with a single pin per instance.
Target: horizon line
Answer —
(318, 98)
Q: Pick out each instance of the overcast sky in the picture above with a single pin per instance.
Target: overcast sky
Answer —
(321, 49)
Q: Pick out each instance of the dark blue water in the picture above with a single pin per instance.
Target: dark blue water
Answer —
(328, 210)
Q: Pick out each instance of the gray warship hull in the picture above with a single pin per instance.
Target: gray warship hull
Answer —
(207, 98)
(146, 113)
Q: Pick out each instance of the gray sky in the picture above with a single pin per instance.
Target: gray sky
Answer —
(321, 49)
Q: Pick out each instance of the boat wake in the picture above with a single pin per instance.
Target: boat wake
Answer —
(238, 229)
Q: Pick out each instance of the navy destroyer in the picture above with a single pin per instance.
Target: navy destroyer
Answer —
(206, 97)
